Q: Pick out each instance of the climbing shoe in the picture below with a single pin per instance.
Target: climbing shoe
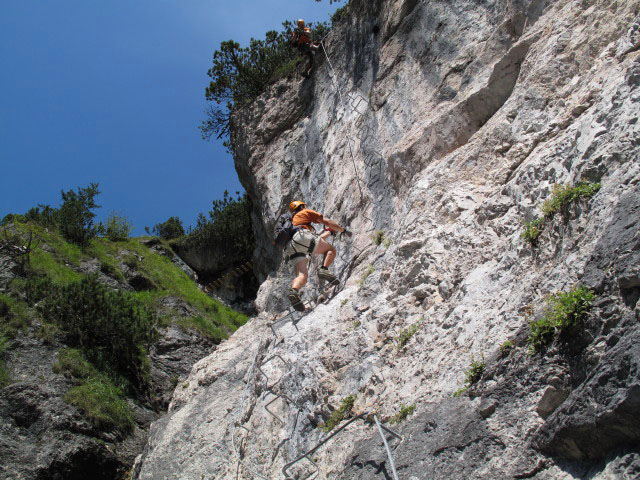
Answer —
(324, 274)
(296, 301)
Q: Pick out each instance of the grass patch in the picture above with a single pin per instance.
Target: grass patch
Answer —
(344, 411)
(72, 363)
(103, 404)
(97, 396)
(14, 316)
(217, 321)
(405, 411)
(204, 326)
(564, 310)
(110, 268)
(406, 334)
(45, 263)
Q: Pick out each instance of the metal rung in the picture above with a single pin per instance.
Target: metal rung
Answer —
(266, 376)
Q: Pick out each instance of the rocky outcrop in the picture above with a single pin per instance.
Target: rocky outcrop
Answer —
(44, 437)
(439, 129)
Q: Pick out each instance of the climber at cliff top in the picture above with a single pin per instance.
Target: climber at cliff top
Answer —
(305, 241)
(301, 39)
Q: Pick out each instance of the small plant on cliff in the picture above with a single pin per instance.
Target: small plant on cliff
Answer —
(339, 414)
(379, 238)
(532, 231)
(562, 195)
(405, 411)
(472, 375)
(406, 335)
(96, 395)
(564, 310)
(103, 403)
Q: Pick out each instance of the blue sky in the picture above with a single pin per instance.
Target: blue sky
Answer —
(113, 92)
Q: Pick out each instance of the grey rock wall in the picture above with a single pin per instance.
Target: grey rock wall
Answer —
(444, 125)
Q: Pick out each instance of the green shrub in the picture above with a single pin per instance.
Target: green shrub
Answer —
(75, 217)
(406, 334)
(228, 228)
(475, 371)
(37, 288)
(170, 229)
(563, 195)
(240, 74)
(471, 375)
(344, 411)
(532, 230)
(47, 217)
(12, 218)
(564, 310)
(112, 328)
(103, 404)
(339, 15)
(404, 412)
(117, 228)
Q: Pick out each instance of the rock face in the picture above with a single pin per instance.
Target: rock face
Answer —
(437, 128)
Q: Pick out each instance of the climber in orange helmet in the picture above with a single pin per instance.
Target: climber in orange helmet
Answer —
(301, 39)
(305, 241)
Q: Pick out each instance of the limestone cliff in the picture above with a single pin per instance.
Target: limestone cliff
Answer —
(438, 128)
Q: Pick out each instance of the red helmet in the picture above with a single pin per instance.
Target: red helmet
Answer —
(293, 206)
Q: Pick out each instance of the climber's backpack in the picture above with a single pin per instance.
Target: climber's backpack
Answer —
(284, 230)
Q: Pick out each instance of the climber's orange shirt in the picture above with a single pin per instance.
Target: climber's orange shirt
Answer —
(307, 216)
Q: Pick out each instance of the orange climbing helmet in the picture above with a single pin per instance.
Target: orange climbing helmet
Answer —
(300, 23)
(293, 206)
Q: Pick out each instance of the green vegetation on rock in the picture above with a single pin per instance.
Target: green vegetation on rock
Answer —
(405, 411)
(471, 375)
(240, 74)
(228, 228)
(406, 334)
(103, 404)
(564, 311)
(561, 197)
(339, 414)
